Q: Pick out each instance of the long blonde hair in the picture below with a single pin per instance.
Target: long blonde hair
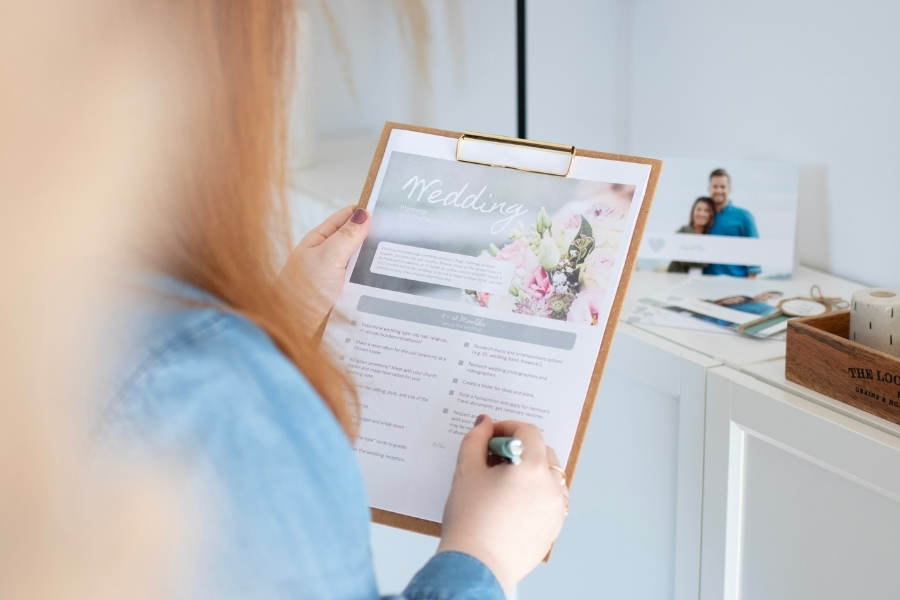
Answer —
(229, 226)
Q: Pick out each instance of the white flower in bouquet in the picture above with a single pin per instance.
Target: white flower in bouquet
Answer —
(560, 282)
(597, 268)
(548, 254)
(601, 232)
(505, 302)
(608, 232)
(563, 237)
(518, 232)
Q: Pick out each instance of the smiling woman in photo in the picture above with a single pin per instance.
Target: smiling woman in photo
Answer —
(703, 215)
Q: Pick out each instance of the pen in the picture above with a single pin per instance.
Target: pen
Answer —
(509, 448)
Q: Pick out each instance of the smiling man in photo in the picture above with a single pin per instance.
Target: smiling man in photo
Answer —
(730, 220)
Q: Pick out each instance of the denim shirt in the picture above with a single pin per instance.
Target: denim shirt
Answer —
(278, 474)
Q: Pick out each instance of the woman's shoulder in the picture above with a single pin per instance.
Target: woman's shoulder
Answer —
(189, 361)
(686, 229)
(210, 388)
(195, 341)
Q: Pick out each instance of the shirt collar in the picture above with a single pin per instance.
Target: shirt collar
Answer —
(162, 288)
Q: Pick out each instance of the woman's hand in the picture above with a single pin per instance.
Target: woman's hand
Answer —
(322, 255)
(507, 516)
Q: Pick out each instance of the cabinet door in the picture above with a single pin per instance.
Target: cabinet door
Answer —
(634, 526)
(799, 501)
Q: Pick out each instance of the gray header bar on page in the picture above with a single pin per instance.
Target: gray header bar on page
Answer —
(564, 340)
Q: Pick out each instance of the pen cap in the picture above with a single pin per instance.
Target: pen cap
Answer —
(507, 447)
(515, 447)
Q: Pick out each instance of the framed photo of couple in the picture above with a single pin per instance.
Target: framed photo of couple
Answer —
(734, 218)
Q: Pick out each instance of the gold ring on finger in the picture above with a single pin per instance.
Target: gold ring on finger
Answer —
(561, 473)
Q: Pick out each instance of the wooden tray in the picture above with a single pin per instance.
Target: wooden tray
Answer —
(820, 357)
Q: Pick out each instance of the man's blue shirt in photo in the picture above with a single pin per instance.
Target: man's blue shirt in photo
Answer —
(737, 222)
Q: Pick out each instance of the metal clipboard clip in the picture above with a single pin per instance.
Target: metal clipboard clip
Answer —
(513, 153)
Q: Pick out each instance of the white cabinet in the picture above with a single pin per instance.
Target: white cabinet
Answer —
(799, 501)
(634, 526)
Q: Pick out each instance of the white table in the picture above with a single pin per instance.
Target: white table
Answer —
(704, 473)
(733, 351)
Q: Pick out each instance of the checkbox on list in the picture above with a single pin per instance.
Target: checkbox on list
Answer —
(466, 345)
(460, 363)
(347, 340)
(451, 392)
(446, 410)
(342, 357)
(353, 323)
(455, 380)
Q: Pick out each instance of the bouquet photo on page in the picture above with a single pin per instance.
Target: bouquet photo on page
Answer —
(553, 241)
(563, 265)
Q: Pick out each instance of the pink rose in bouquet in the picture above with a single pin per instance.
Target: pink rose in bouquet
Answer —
(585, 308)
(537, 283)
(519, 253)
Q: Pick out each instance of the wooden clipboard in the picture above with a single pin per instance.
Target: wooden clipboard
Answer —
(432, 528)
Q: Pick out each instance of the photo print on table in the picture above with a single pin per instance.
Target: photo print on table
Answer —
(501, 239)
(735, 218)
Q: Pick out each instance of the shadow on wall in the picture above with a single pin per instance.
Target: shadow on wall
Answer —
(814, 218)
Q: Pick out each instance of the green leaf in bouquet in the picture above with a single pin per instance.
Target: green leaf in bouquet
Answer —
(582, 245)
(585, 229)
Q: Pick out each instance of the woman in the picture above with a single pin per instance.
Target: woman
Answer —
(703, 215)
(82, 120)
(223, 369)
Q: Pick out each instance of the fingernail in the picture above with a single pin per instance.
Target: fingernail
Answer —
(359, 216)
(479, 420)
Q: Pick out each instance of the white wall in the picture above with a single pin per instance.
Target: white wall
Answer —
(574, 91)
(808, 81)
(473, 83)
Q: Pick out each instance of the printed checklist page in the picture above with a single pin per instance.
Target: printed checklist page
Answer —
(478, 290)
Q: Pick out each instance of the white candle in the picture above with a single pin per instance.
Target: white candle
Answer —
(875, 319)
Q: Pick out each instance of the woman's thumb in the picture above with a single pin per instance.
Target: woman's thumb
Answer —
(473, 449)
(344, 242)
